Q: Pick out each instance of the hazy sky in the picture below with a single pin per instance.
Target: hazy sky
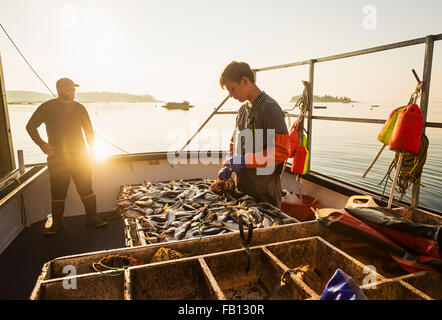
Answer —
(176, 50)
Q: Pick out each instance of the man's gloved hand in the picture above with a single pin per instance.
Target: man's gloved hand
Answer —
(225, 173)
(236, 162)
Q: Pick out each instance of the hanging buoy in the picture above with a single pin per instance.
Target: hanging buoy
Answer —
(293, 139)
(300, 158)
(385, 134)
(406, 136)
(300, 161)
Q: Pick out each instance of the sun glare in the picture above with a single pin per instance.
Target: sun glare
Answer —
(102, 150)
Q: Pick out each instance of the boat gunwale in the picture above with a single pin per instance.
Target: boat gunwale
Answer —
(342, 187)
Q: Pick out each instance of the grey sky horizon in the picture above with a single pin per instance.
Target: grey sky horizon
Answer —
(176, 50)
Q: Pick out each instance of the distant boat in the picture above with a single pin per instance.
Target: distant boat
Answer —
(178, 105)
(320, 107)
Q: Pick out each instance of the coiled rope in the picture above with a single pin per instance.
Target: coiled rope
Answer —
(411, 168)
(412, 164)
(303, 102)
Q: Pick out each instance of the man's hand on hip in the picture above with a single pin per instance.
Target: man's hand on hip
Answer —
(48, 149)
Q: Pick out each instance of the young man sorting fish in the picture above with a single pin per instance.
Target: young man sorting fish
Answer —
(261, 143)
(67, 154)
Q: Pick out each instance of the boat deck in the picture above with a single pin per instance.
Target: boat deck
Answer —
(21, 262)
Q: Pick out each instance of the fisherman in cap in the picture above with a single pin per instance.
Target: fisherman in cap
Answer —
(67, 154)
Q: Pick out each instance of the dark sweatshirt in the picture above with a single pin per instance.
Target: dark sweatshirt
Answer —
(64, 123)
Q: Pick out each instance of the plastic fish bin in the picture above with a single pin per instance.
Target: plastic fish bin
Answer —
(394, 290)
(83, 262)
(320, 260)
(91, 287)
(428, 282)
(237, 283)
(173, 280)
(301, 212)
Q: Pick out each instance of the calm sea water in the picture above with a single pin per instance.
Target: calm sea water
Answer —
(342, 150)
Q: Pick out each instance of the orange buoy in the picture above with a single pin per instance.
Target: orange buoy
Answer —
(406, 136)
(387, 130)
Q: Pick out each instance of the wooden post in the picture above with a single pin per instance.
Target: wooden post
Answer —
(428, 63)
(309, 112)
(374, 160)
(7, 159)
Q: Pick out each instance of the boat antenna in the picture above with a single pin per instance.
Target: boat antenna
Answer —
(12, 41)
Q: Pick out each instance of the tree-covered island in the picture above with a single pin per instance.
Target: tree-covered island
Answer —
(326, 98)
(31, 97)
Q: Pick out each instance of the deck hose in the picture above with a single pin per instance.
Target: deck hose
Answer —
(245, 243)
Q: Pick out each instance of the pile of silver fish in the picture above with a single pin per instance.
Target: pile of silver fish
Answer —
(178, 210)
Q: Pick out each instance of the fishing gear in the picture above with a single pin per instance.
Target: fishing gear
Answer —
(389, 125)
(410, 144)
(166, 254)
(116, 263)
(245, 243)
(410, 169)
(298, 140)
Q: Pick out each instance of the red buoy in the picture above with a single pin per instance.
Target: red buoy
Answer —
(299, 165)
(293, 140)
(406, 136)
(387, 130)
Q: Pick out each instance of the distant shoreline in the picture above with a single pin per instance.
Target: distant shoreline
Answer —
(40, 102)
(327, 98)
(15, 97)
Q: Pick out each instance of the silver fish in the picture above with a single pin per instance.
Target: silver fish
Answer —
(136, 196)
(191, 232)
(129, 213)
(148, 211)
(177, 224)
(267, 222)
(171, 230)
(144, 203)
(181, 231)
(170, 217)
(160, 218)
(211, 231)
